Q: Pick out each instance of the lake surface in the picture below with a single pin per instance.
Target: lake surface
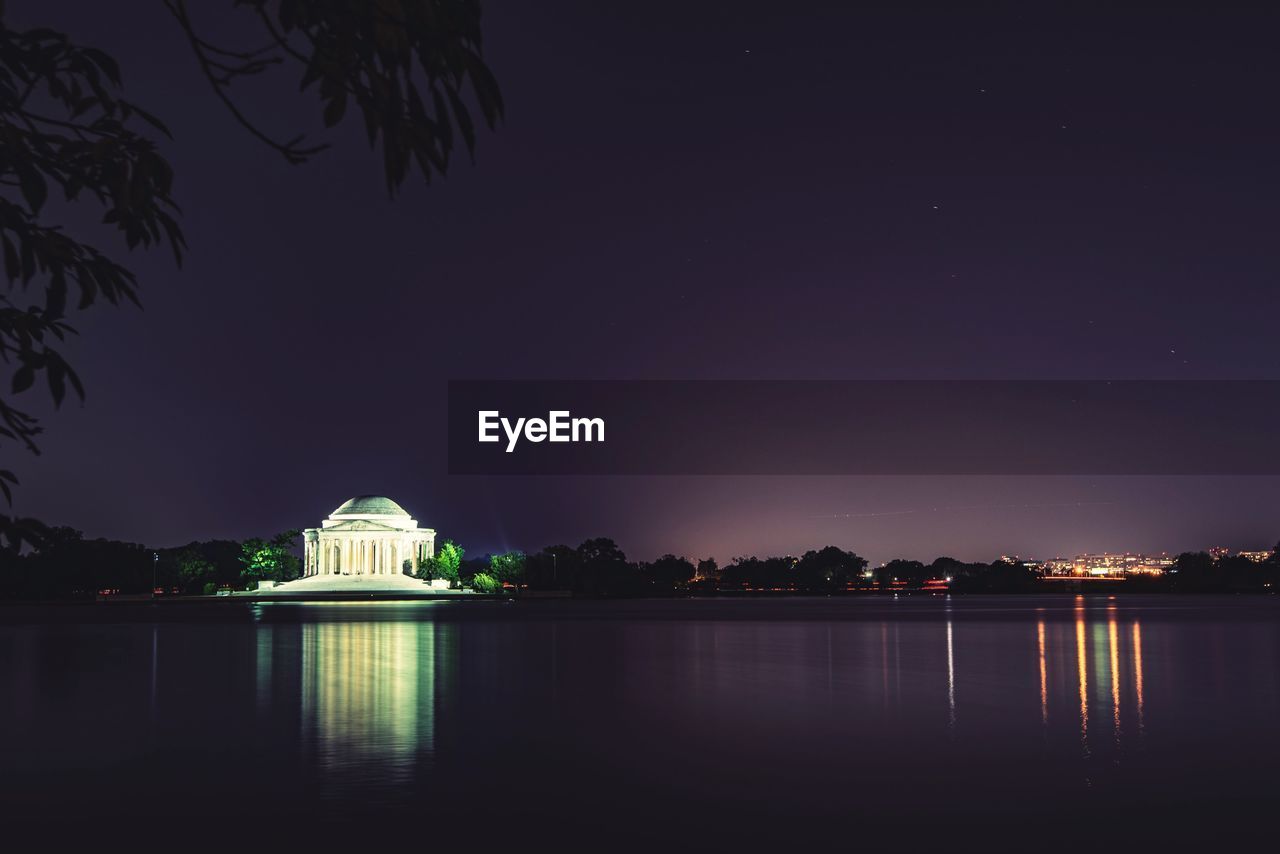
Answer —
(743, 724)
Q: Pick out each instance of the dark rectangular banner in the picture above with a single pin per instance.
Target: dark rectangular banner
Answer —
(870, 427)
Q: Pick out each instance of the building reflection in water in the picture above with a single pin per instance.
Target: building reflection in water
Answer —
(368, 693)
(368, 690)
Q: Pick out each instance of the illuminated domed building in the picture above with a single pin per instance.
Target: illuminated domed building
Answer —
(370, 544)
(368, 535)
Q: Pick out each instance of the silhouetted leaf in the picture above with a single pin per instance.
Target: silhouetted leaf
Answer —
(23, 378)
(337, 107)
(12, 266)
(34, 191)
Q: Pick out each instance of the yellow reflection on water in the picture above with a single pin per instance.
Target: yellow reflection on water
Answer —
(951, 674)
(368, 692)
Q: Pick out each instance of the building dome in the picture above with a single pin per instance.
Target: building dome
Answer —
(370, 505)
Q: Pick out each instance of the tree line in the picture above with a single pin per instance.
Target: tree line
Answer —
(598, 567)
(68, 566)
(65, 565)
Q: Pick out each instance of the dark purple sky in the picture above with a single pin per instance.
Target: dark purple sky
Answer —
(695, 190)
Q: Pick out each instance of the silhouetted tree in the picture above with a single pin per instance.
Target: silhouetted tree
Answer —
(668, 574)
(603, 569)
(194, 571)
(912, 572)
(741, 571)
(66, 565)
(553, 568)
(828, 569)
(220, 557)
(66, 131)
(1192, 572)
(950, 568)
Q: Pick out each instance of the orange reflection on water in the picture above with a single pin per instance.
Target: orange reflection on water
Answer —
(1113, 647)
(1082, 667)
(1137, 670)
(1044, 676)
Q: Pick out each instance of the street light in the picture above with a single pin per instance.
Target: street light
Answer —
(155, 560)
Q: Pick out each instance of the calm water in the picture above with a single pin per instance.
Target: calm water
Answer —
(753, 724)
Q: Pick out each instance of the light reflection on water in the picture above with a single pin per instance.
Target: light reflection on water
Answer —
(1111, 680)
(367, 693)
(1026, 702)
(366, 690)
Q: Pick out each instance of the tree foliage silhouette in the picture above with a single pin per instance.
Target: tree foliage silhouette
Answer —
(70, 141)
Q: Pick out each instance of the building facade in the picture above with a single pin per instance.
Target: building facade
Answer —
(368, 535)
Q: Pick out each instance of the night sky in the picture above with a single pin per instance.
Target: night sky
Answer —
(694, 191)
